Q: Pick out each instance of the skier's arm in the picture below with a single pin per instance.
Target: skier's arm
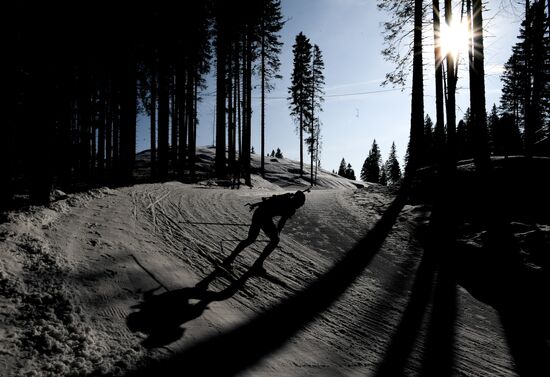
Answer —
(281, 224)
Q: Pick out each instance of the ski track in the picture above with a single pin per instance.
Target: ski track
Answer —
(176, 231)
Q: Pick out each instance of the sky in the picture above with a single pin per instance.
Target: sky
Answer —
(357, 109)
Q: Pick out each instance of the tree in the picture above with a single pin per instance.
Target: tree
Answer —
(451, 92)
(383, 178)
(300, 89)
(392, 168)
(317, 93)
(349, 173)
(525, 93)
(372, 165)
(478, 124)
(439, 131)
(222, 30)
(495, 135)
(279, 154)
(270, 45)
(429, 154)
(404, 15)
(342, 168)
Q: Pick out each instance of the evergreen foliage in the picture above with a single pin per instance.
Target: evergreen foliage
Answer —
(392, 169)
(525, 93)
(383, 178)
(300, 89)
(349, 173)
(342, 168)
(372, 165)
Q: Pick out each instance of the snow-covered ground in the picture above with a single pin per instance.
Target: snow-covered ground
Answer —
(104, 281)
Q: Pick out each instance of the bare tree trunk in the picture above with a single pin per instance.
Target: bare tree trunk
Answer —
(451, 93)
(230, 110)
(439, 132)
(182, 123)
(263, 78)
(153, 119)
(248, 109)
(301, 143)
(417, 97)
(163, 118)
(174, 122)
(220, 104)
(477, 91)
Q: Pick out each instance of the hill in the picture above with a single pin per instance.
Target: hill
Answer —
(110, 280)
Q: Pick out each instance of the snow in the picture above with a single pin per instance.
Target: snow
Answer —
(103, 282)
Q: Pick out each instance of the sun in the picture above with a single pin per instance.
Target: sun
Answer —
(454, 38)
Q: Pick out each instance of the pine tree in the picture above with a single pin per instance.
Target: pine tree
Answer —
(392, 168)
(300, 89)
(383, 178)
(270, 47)
(429, 142)
(349, 173)
(525, 94)
(342, 168)
(372, 165)
(495, 132)
(279, 154)
(317, 93)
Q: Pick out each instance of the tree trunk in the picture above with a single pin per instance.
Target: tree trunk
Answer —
(128, 113)
(417, 97)
(174, 122)
(477, 92)
(220, 104)
(101, 129)
(248, 110)
(301, 143)
(451, 94)
(182, 77)
(439, 132)
(230, 110)
(163, 119)
(153, 119)
(262, 115)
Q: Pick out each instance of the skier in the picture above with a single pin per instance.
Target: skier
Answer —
(284, 205)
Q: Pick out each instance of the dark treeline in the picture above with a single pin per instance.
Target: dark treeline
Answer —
(78, 76)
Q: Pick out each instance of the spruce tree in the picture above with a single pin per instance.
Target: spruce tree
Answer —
(371, 167)
(349, 173)
(383, 178)
(429, 142)
(342, 168)
(317, 98)
(300, 89)
(392, 168)
(270, 47)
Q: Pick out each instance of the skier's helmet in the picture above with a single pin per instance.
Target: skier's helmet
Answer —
(299, 198)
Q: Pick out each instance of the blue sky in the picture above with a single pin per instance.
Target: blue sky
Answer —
(357, 109)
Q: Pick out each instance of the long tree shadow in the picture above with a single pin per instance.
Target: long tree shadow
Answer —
(434, 280)
(161, 316)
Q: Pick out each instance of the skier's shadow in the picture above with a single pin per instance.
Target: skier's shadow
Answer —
(160, 316)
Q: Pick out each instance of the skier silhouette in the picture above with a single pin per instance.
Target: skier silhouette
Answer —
(284, 205)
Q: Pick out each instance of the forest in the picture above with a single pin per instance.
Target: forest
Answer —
(453, 245)
(75, 90)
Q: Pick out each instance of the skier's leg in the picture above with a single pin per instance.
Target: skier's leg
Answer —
(252, 235)
(271, 231)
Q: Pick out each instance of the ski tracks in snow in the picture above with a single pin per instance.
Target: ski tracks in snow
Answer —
(154, 237)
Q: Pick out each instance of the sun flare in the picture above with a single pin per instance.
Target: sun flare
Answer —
(454, 38)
